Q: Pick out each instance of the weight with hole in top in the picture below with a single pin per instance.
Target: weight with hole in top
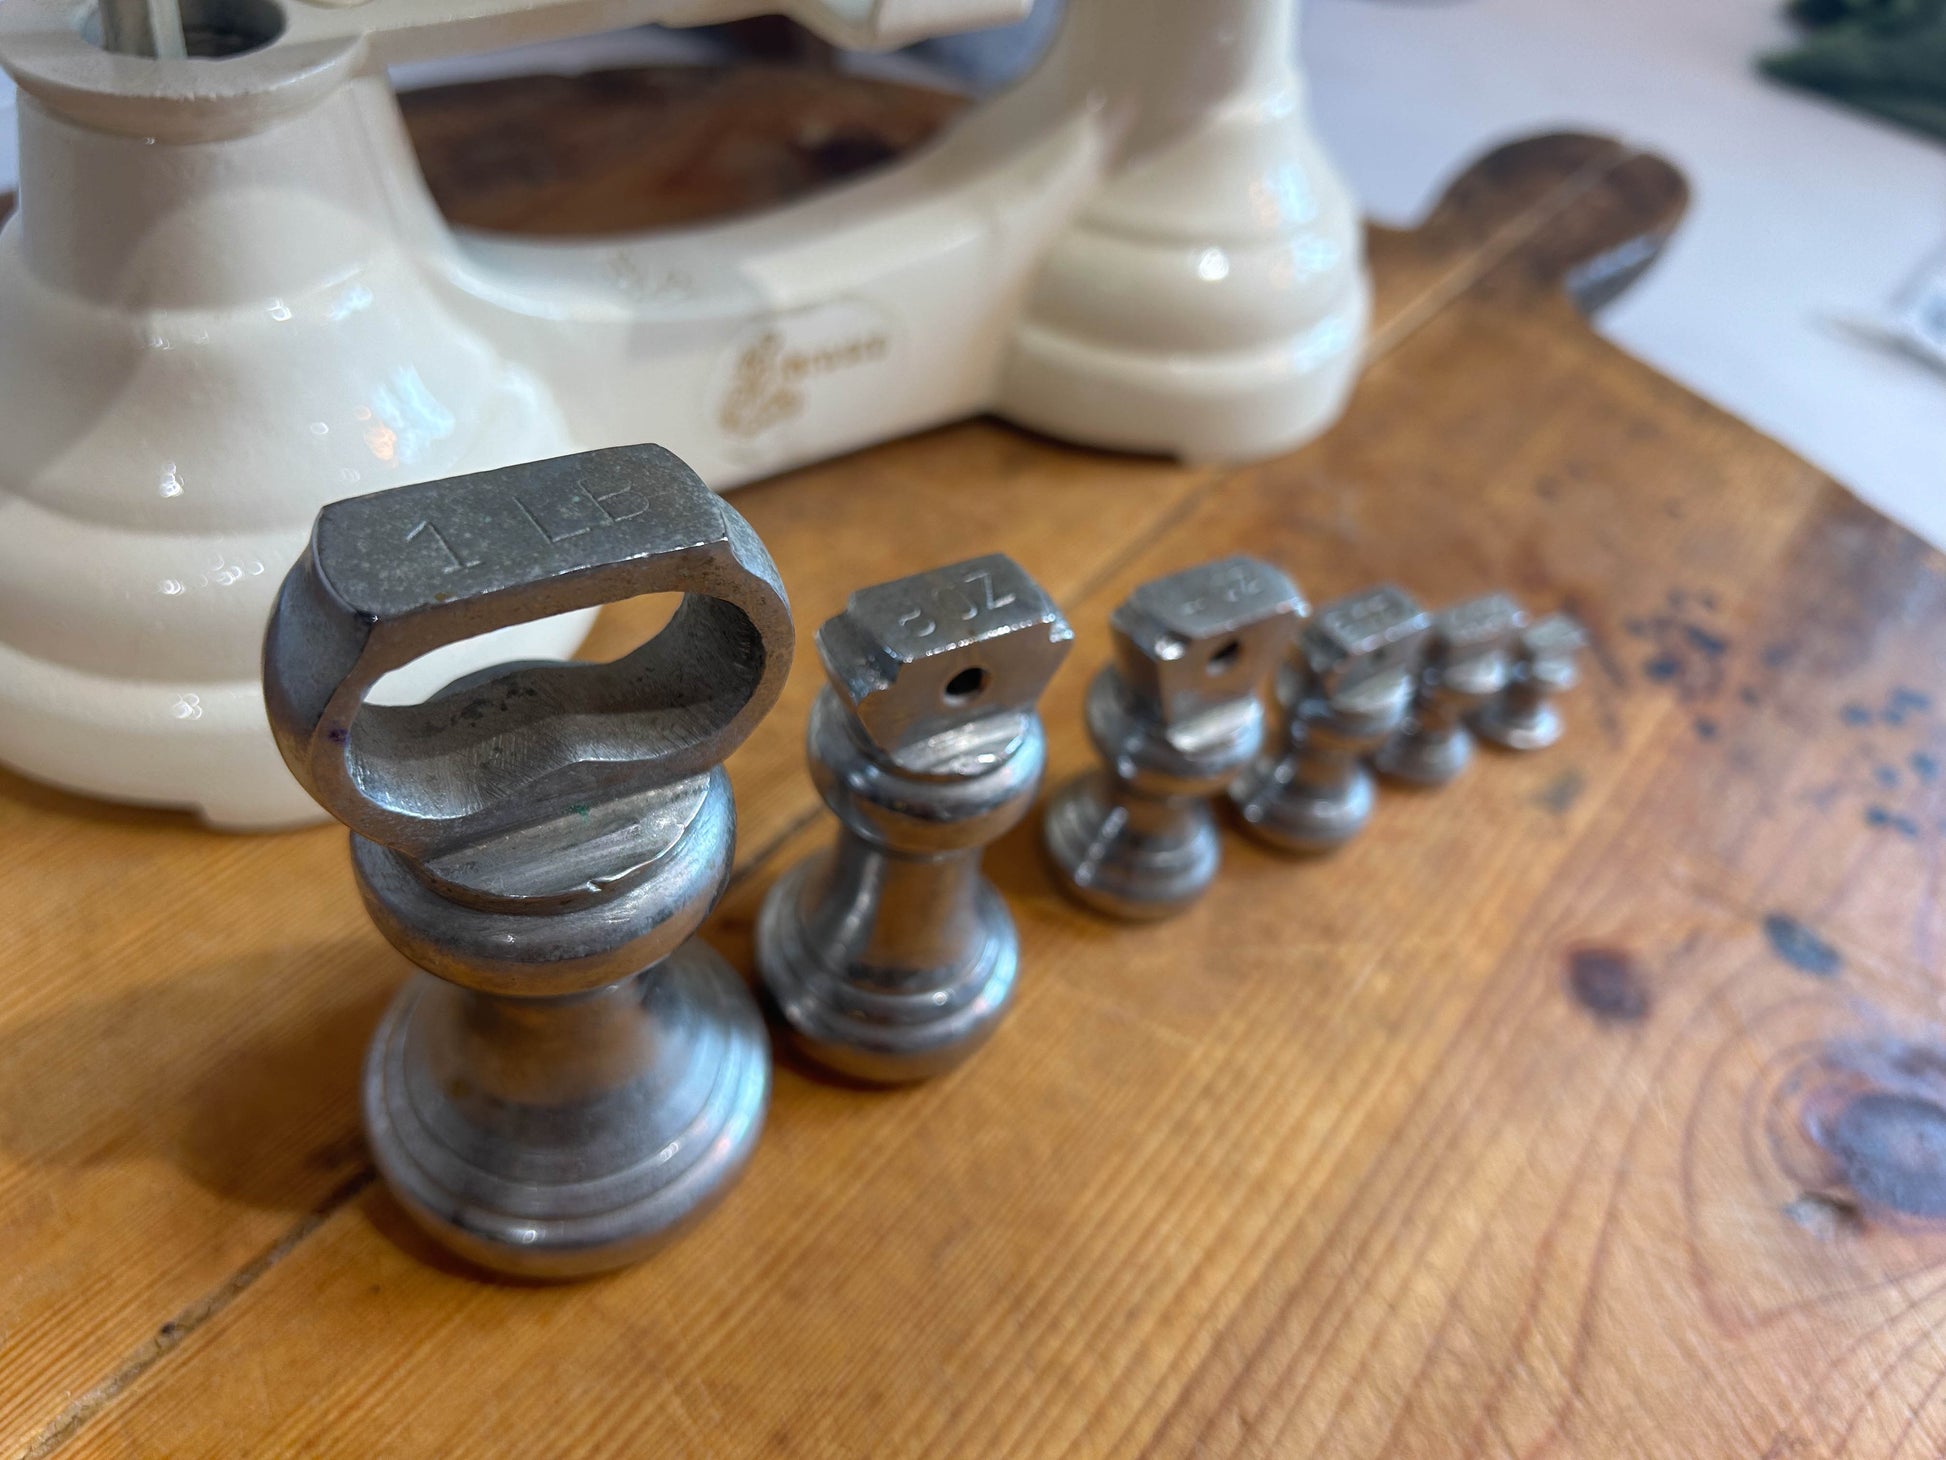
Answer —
(1174, 716)
(890, 957)
(1344, 694)
(1469, 660)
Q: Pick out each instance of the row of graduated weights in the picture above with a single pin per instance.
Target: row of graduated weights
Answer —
(1370, 681)
(573, 1076)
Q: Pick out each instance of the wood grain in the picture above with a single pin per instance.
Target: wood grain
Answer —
(1593, 1106)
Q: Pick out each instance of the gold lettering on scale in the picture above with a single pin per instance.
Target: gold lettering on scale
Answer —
(766, 384)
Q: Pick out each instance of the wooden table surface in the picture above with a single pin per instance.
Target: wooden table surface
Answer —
(1594, 1106)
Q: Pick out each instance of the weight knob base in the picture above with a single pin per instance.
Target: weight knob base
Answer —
(1107, 866)
(1290, 815)
(891, 1032)
(1534, 729)
(1429, 760)
(564, 1190)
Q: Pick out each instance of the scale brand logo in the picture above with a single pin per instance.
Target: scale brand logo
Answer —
(778, 362)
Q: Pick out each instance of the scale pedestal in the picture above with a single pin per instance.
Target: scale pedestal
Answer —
(249, 306)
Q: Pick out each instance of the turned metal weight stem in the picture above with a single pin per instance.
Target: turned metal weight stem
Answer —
(919, 911)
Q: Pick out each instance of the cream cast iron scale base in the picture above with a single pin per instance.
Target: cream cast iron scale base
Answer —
(227, 299)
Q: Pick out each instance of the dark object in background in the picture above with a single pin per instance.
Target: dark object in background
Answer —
(1885, 56)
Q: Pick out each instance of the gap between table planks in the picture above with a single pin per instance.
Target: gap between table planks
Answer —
(1583, 1108)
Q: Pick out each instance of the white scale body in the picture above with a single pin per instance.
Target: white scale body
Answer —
(227, 298)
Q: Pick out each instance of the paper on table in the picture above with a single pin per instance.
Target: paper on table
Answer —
(1919, 319)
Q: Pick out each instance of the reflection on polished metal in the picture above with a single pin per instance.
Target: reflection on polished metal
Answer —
(1343, 695)
(890, 957)
(1523, 716)
(572, 1077)
(1174, 717)
(1469, 660)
